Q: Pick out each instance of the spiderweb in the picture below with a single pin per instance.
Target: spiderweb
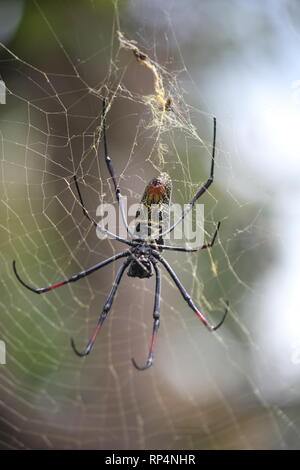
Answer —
(204, 391)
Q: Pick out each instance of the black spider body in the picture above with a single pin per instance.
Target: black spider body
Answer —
(141, 262)
(143, 255)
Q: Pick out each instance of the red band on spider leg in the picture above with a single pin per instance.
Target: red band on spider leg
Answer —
(97, 329)
(153, 342)
(199, 315)
(92, 340)
(52, 287)
(154, 336)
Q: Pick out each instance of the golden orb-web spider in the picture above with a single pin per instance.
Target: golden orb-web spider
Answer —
(143, 255)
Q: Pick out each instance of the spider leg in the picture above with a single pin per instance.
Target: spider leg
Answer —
(203, 188)
(103, 230)
(156, 321)
(186, 249)
(104, 313)
(188, 298)
(74, 278)
(111, 170)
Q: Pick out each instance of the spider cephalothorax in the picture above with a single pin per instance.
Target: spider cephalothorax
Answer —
(141, 265)
(143, 255)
